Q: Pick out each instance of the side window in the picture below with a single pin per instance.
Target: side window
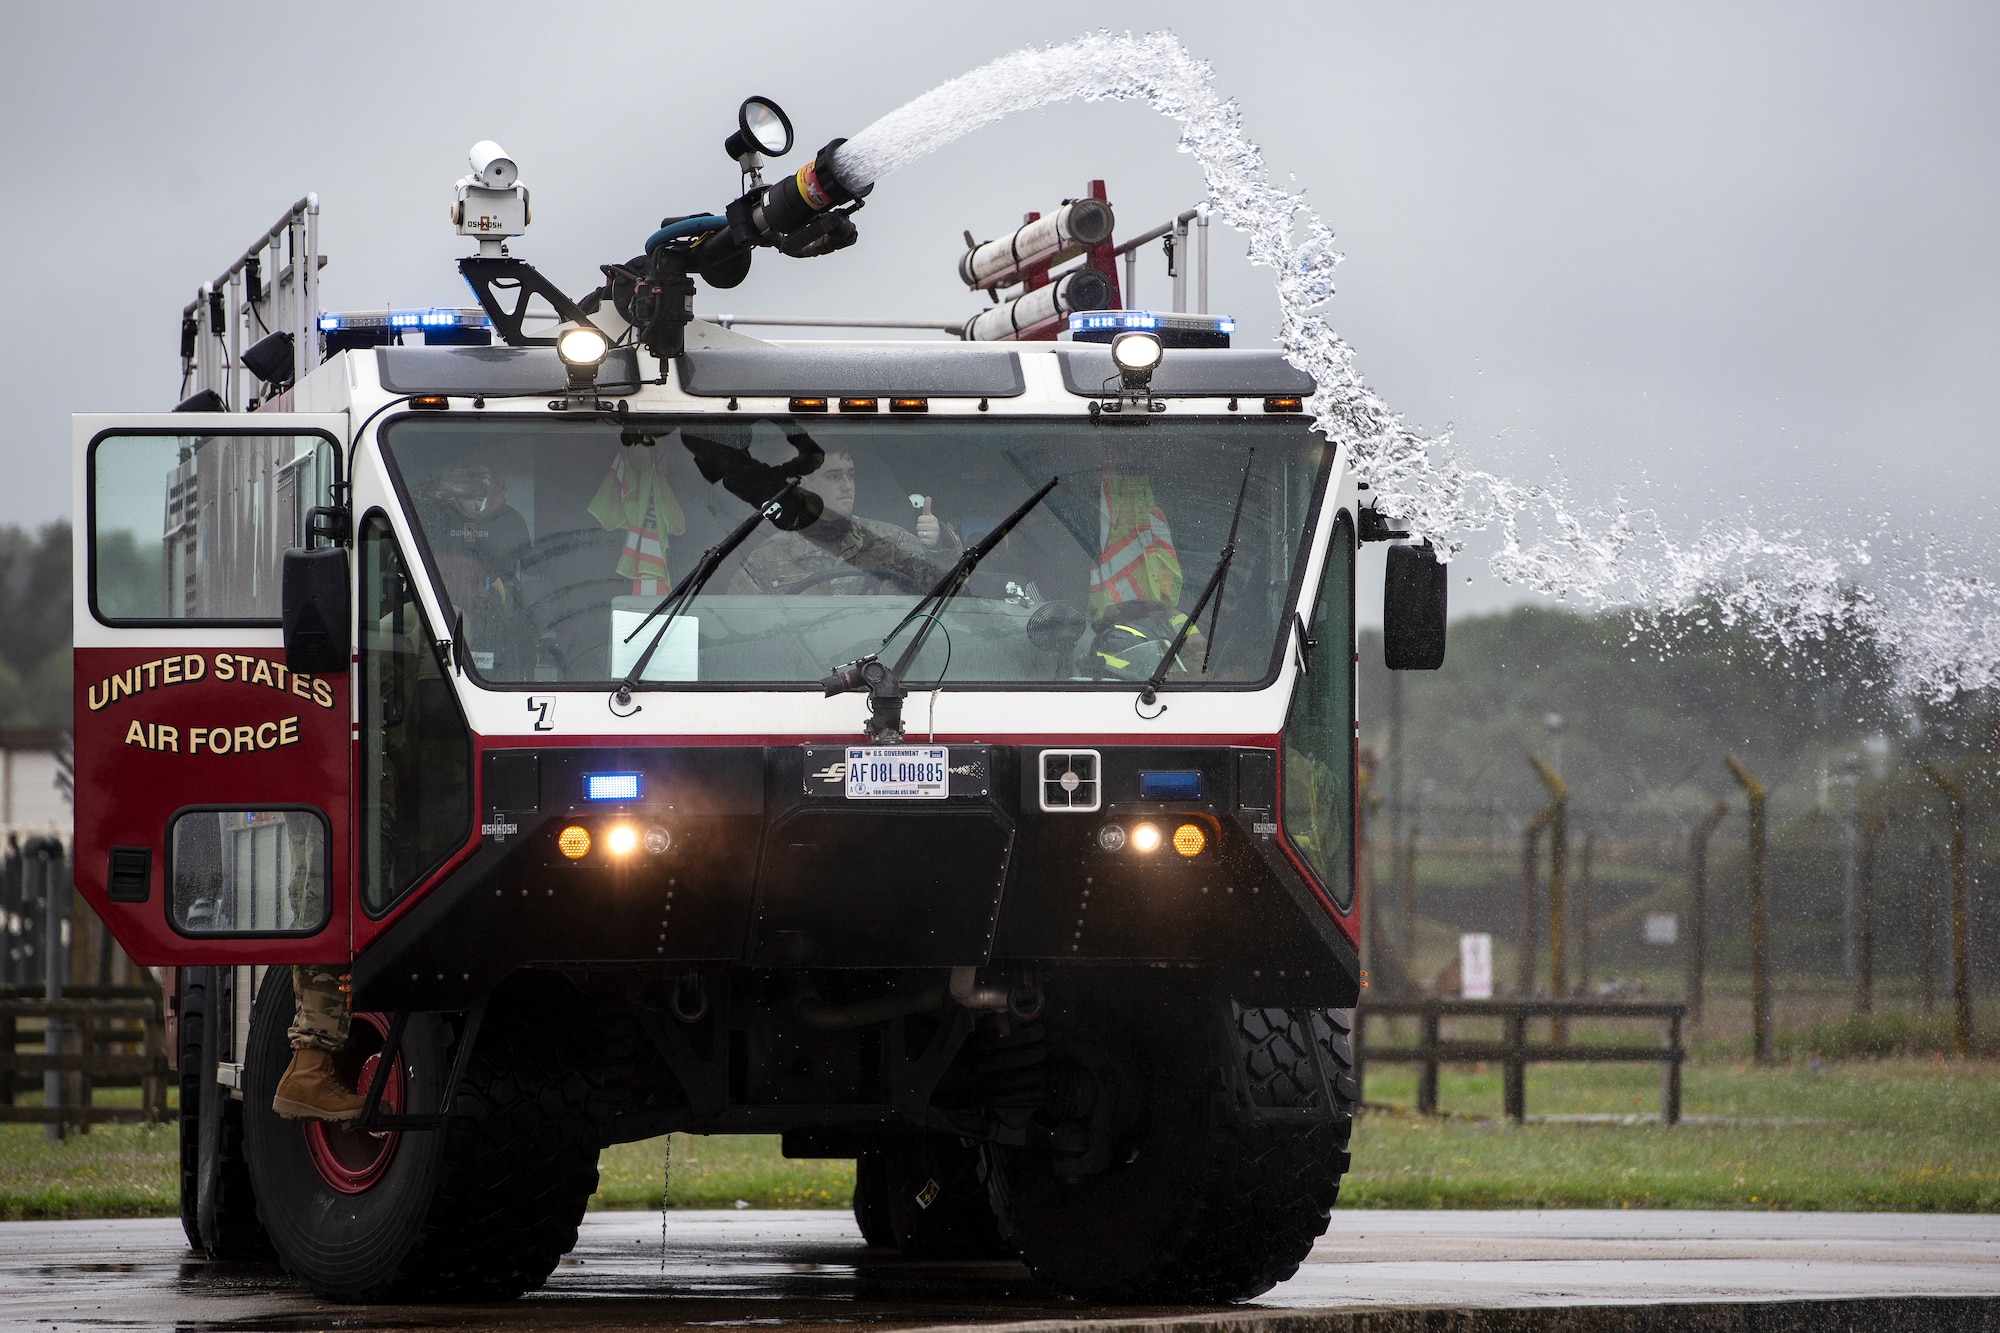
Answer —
(195, 527)
(247, 872)
(416, 752)
(1319, 731)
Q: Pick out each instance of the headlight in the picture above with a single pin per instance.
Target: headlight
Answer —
(582, 345)
(1111, 837)
(1146, 838)
(658, 840)
(621, 840)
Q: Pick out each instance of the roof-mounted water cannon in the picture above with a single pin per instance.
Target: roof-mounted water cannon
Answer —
(806, 213)
(491, 203)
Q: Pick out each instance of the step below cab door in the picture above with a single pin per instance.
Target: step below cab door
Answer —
(212, 784)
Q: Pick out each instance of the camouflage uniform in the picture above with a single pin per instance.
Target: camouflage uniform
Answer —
(787, 559)
(319, 991)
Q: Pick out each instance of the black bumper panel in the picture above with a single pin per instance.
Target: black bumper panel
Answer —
(769, 864)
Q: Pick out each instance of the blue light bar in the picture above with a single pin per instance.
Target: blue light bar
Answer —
(1174, 328)
(610, 786)
(1113, 319)
(438, 317)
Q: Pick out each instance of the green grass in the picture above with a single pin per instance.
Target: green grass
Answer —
(1902, 1135)
(720, 1171)
(113, 1171)
(1915, 1134)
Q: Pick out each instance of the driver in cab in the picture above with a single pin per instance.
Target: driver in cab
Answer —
(843, 554)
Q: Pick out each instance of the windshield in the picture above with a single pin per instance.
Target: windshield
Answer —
(551, 542)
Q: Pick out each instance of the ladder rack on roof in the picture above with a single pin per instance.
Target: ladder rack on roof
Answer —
(272, 289)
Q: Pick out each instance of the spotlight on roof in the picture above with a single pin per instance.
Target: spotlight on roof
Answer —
(1137, 355)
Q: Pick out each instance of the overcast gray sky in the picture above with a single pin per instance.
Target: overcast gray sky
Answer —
(1695, 252)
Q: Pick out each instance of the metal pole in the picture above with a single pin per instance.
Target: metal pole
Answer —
(233, 374)
(1180, 264)
(1930, 927)
(54, 956)
(1201, 292)
(1583, 888)
(1409, 886)
(308, 343)
(1131, 280)
(1406, 934)
(13, 914)
(1961, 989)
(1760, 909)
(1848, 914)
(1558, 870)
(1864, 951)
(1697, 941)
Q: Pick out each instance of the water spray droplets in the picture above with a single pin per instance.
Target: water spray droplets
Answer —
(1941, 629)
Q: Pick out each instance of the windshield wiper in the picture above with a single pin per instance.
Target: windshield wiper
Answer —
(1149, 692)
(691, 584)
(885, 687)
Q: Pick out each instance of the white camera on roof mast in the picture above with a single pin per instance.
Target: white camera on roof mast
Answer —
(491, 203)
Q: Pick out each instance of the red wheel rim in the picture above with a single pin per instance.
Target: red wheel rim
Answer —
(348, 1159)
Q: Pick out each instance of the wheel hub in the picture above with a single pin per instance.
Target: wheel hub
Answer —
(350, 1159)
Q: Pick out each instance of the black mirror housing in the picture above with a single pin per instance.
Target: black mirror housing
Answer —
(313, 603)
(1413, 609)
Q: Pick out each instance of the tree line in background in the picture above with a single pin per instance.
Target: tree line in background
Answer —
(1639, 717)
(35, 626)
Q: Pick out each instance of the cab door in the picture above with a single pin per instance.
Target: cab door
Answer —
(212, 806)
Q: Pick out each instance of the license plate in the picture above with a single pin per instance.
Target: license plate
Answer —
(898, 771)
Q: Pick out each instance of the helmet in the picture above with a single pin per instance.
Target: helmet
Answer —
(1132, 637)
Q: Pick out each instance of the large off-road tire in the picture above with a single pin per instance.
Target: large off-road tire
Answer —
(481, 1210)
(1201, 1199)
(939, 1207)
(871, 1200)
(218, 1203)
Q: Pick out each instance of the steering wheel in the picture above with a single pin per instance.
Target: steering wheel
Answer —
(900, 577)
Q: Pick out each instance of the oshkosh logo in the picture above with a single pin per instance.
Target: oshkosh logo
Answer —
(834, 772)
(498, 829)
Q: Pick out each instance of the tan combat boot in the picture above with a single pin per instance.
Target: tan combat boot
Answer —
(310, 1090)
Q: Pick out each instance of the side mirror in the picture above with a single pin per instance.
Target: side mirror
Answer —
(1413, 606)
(313, 606)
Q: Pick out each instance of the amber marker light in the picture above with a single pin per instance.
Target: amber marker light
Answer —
(574, 841)
(1146, 838)
(622, 840)
(858, 405)
(1189, 840)
(1284, 403)
(808, 404)
(909, 404)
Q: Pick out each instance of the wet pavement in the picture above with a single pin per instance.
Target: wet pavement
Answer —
(809, 1270)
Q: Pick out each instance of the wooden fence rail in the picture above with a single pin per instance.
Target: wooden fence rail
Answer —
(85, 1020)
(1513, 1052)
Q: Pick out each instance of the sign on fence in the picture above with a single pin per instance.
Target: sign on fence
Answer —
(1475, 967)
(1663, 928)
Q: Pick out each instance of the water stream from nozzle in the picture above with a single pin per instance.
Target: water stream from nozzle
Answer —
(1941, 627)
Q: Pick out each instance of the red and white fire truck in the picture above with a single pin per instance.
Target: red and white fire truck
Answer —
(940, 754)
